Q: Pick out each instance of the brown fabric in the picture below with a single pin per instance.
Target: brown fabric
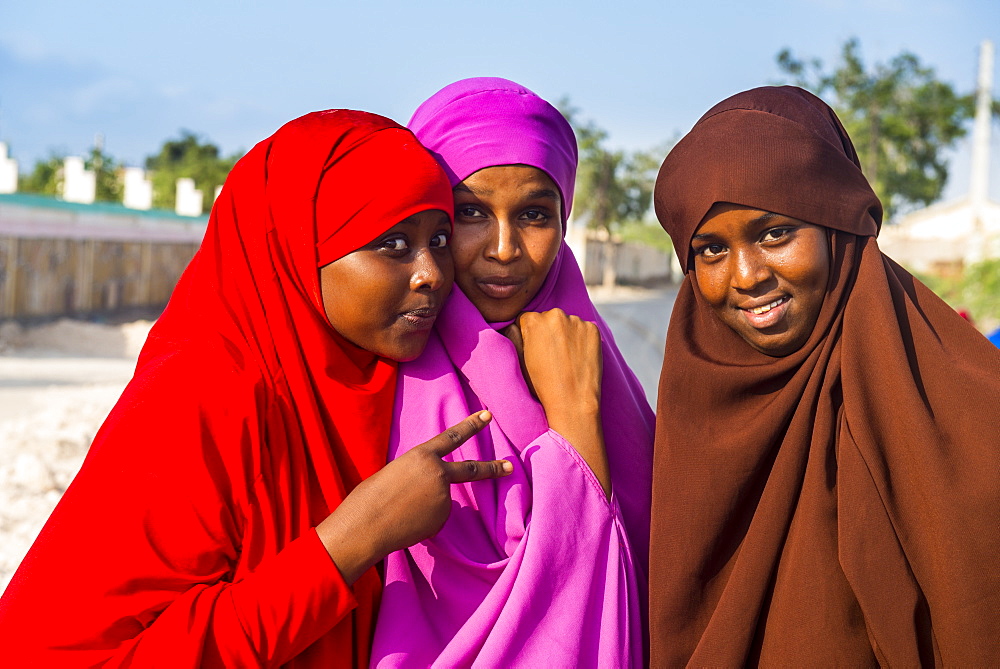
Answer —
(837, 506)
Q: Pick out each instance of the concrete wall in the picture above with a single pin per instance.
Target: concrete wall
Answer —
(635, 264)
(944, 238)
(59, 259)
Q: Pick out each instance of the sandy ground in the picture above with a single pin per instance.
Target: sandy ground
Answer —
(59, 381)
(57, 384)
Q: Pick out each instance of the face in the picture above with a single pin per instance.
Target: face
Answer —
(764, 275)
(385, 296)
(508, 228)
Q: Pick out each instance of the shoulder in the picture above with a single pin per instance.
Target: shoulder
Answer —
(185, 408)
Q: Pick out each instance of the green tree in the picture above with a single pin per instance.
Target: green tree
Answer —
(977, 289)
(900, 116)
(45, 178)
(107, 175)
(188, 156)
(613, 187)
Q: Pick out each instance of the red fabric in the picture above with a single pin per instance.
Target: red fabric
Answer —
(187, 538)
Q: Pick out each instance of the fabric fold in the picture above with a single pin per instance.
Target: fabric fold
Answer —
(187, 539)
(536, 568)
(837, 505)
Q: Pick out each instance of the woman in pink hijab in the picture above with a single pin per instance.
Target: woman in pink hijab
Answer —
(546, 567)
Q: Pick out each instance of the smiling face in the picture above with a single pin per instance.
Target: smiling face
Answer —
(385, 296)
(508, 229)
(765, 275)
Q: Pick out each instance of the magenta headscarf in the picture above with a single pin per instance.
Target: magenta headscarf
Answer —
(538, 568)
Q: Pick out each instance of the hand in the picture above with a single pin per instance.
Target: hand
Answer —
(562, 365)
(407, 501)
(560, 359)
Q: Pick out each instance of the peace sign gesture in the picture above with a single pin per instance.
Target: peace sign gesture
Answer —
(405, 502)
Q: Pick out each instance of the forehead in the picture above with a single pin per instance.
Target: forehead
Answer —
(429, 217)
(497, 179)
(725, 220)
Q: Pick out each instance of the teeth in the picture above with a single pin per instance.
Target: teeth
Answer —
(767, 307)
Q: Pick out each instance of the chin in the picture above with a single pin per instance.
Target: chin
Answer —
(407, 351)
(497, 313)
(778, 349)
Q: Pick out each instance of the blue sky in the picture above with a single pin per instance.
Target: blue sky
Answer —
(235, 71)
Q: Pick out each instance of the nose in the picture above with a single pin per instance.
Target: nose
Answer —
(749, 268)
(505, 244)
(429, 271)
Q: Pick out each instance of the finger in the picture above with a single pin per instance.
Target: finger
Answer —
(477, 470)
(456, 435)
(513, 333)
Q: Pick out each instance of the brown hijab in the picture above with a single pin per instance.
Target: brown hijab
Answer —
(838, 505)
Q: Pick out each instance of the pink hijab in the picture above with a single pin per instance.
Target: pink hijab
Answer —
(538, 568)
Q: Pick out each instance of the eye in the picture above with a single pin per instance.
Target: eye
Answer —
(710, 251)
(394, 245)
(775, 234)
(468, 211)
(440, 240)
(536, 215)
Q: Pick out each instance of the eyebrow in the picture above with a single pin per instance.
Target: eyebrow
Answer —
(412, 218)
(546, 193)
(763, 218)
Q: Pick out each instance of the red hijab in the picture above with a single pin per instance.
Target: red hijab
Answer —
(321, 187)
(187, 538)
(839, 505)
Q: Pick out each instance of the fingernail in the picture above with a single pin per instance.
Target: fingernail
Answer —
(485, 415)
(507, 467)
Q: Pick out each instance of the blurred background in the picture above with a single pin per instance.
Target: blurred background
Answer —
(119, 122)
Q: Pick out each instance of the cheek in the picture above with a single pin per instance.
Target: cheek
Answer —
(542, 246)
(466, 245)
(359, 297)
(808, 268)
(352, 314)
(712, 282)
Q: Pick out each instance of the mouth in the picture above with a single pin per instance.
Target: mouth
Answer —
(500, 287)
(420, 319)
(763, 316)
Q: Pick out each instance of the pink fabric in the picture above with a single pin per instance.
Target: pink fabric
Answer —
(486, 121)
(538, 568)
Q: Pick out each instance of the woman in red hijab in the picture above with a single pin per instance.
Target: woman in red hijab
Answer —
(825, 481)
(224, 515)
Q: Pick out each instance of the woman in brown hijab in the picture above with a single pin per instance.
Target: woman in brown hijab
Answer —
(827, 471)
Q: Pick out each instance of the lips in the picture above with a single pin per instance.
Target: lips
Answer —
(500, 287)
(422, 318)
(766, 314)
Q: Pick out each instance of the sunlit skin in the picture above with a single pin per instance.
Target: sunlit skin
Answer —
(385, 296)
(508, 228)
(765, 275)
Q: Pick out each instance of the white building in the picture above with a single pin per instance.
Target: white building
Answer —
(79, 183)
(948, 236)
(8, 171)
(189, 199)
(138, 190)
